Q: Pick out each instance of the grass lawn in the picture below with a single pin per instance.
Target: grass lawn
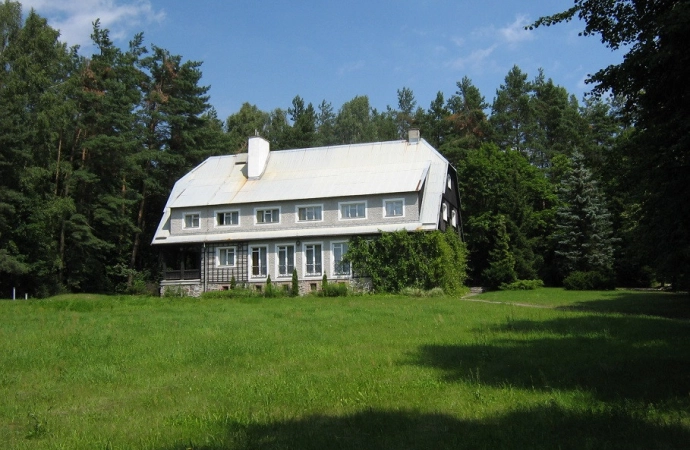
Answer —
(584, 370)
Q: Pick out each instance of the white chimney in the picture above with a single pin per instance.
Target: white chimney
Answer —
(413, 135)
(258, 149)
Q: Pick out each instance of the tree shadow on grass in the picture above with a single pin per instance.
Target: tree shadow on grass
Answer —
(649, 303)
(614, 358)
(545, 427)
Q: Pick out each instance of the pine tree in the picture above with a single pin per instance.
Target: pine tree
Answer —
(583, 234)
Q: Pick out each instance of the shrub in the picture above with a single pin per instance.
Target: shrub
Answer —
(270, 289)
(174, 291)
(294, 288)
(521, 285)
(231, 293)
(335, 290)
(588, 281)
(417, 292)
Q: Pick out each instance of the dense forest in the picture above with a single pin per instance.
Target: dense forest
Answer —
(91, 146)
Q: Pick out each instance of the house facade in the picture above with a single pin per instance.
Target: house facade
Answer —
(261, 213)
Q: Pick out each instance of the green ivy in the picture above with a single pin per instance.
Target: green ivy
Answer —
(399, 260)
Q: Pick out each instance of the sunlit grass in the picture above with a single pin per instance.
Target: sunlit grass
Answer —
(354, 372)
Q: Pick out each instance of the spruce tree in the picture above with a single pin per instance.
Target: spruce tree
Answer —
(583, 236)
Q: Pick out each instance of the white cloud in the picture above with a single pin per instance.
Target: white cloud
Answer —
(74, 18)
(475, 60)
(515, 32)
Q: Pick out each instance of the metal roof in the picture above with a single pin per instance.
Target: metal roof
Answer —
(318, 172)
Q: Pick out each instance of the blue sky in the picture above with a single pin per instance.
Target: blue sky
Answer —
(266, 53)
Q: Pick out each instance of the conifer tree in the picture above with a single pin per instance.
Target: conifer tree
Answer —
(583, 234)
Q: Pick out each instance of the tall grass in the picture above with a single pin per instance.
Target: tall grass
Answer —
(356, 372)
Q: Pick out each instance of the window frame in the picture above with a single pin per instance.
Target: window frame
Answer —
(250, 256)
(444, 211)
(191, 214)
(334, 271)
(277, 259)
(454, 218)
(234, 256)
(305, 262)
(350, 203)
(392, 200)
(226, 211)
(263, 210)
(316, 205)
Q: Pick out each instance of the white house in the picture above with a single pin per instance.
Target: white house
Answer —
(265, 212)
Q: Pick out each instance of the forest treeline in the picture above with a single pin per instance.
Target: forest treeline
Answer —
(90, 148)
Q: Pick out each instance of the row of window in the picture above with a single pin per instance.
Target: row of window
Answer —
(226, 257)
(392, 208)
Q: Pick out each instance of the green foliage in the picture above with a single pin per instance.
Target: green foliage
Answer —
(400, 259)
(583, 231)
(174, 292)
(417, 292)
(334, 290)
(294, 285)
(231, 293)
(233, 282)
(270, 290)
(651, 81)
(588, 281)
(522, 285)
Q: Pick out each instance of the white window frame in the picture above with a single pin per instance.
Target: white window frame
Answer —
(191, 214)
(305, 262)
(277, 259)
(219, 250)
(335, 272)
(454, 218)
(260, 276)
(360, 202)
(269, 208)
(392, 200)
(444, 211)
(226, 211)
(449, 182)
(319, 206)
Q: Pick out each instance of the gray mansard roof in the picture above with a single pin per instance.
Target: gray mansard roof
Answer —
(321, 172)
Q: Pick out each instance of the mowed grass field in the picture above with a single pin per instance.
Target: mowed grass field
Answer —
(539, 369)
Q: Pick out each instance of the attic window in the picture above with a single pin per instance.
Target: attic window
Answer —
(353, 210)
(444, 211)
(191, 220)
(449, 182)
(268, 215)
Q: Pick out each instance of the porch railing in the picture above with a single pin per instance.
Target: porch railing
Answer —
(190, 274)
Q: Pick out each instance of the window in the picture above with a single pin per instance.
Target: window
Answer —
(259, 262)
(394, 208)
(286, 260)
(312, 259)
(225, 257)
(309, 213)
(444, 211)
(449, 182)
(340, 267)
(353, 210)
(191, 220)
(227, 218)
(268, 215)
(454, 218)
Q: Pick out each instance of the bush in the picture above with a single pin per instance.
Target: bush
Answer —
(588, 281)
(417, 292)
(334, 290)
(521, 285)
(294, 288)
(231, 293)
(174, 291)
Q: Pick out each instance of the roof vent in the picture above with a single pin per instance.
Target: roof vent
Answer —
(413, 135)
(258, 149)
